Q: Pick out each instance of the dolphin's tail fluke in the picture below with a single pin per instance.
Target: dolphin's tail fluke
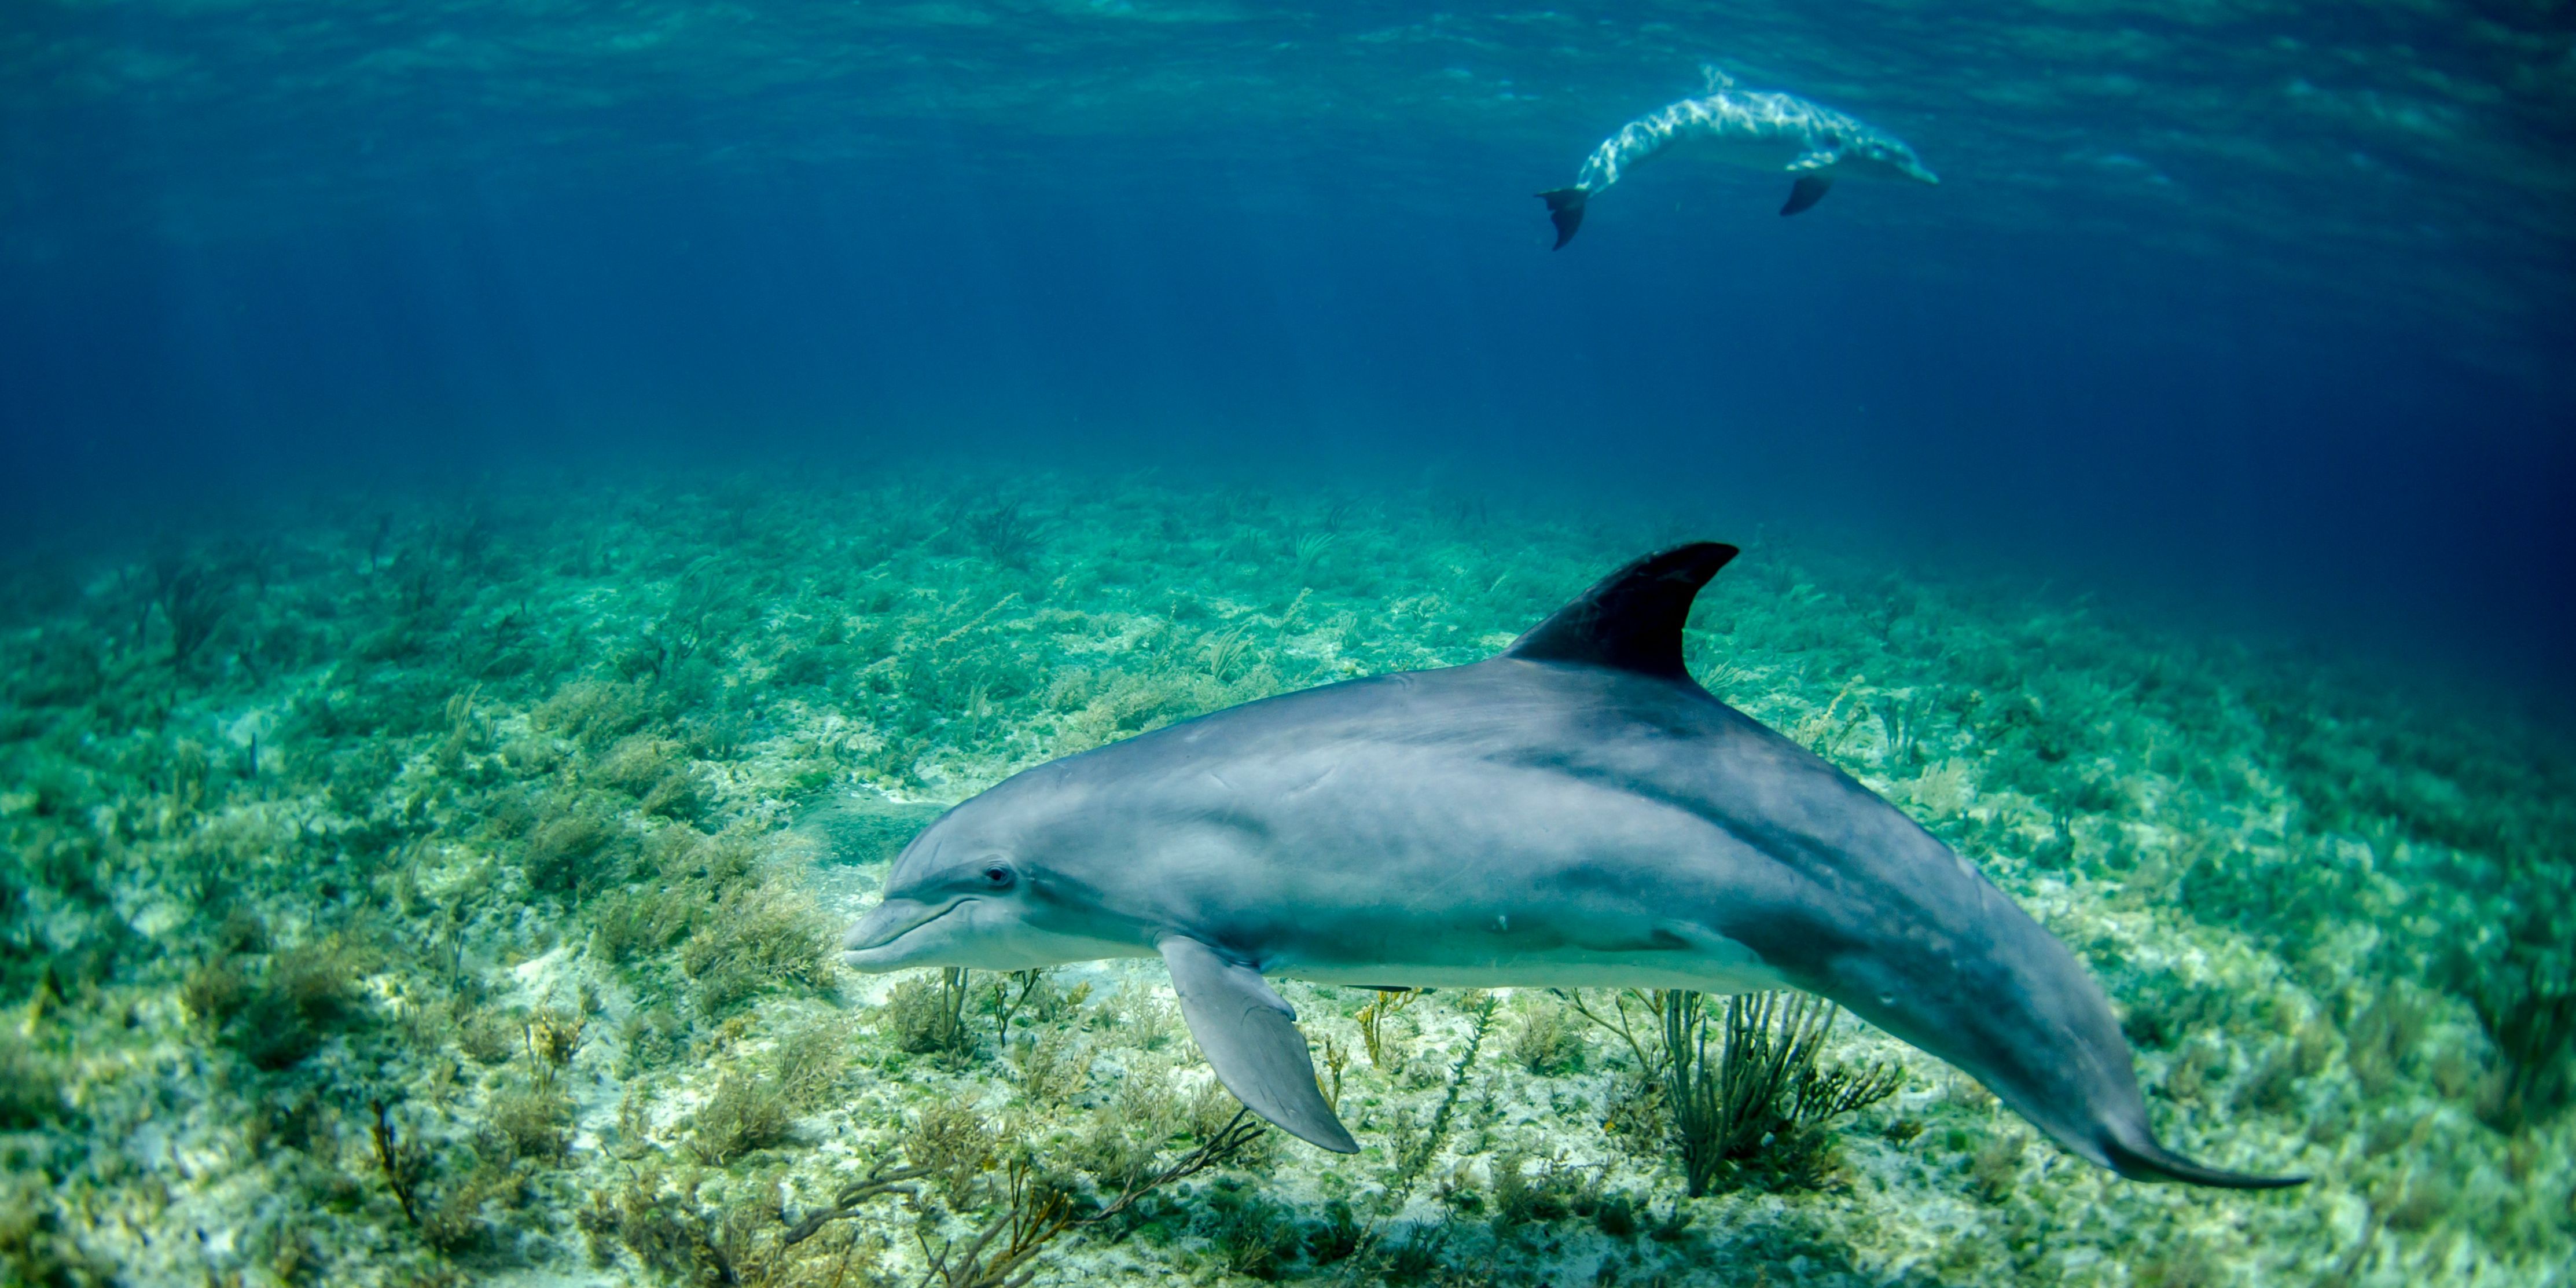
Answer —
(1565, 210)
(2149, 1161)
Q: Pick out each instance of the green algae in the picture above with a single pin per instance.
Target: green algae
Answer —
(450, 899)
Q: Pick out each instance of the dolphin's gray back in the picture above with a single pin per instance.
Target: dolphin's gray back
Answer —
(1763, 130)
(1835, 869)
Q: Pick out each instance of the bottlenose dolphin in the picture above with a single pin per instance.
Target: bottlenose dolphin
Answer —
(1763, 131)
(1573, 812)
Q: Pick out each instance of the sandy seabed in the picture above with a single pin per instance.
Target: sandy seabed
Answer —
(442, 891)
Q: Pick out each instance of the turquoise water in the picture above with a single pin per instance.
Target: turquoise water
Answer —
(515, 514)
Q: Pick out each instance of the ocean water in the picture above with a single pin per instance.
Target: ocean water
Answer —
(511, 515)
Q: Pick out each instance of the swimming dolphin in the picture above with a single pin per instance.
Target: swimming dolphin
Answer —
(1764, 131)
(1574, 812)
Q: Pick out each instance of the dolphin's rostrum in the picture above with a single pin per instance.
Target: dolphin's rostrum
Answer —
(1574, 812)
(1766, 131)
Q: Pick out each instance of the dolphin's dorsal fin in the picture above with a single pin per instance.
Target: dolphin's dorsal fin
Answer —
(1249, 1035)
(1632, 619)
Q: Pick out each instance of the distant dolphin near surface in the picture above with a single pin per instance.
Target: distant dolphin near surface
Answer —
(1763, 131)
(1573, 812)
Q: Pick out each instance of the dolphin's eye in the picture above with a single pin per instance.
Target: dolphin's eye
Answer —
(999, 875)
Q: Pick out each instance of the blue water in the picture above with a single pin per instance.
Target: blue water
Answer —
(511, 513)
(2255, 309)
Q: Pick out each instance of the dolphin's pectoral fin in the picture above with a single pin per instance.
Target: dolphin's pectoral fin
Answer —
(1807, 191)
(1250, 1037)
(1632, 619)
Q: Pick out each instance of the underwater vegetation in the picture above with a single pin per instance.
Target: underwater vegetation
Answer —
(1755, 1108)
(441, 890)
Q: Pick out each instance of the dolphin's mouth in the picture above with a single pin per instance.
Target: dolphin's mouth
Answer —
(873, 943)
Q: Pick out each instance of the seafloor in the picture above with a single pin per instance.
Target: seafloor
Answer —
(439, 891)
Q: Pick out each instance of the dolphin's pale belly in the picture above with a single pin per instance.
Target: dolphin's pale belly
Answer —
(1496, 952)
(1704, 976)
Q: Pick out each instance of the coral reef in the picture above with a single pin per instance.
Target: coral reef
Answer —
(441, 889)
